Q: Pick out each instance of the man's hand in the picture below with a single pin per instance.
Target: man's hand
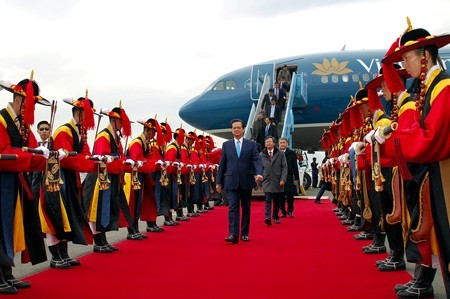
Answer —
(258, 178)
(62, 154)
(282, 183)
(45, 151)
(219, 188)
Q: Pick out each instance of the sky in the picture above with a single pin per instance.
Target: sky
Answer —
(156, 55)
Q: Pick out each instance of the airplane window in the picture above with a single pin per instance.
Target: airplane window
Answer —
(324, 79)
(366, 77)
(219, 86)
(230, 85)
(355, 78)
(334, 79)
(345, 78)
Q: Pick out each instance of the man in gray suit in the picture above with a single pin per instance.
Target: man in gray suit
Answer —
(239, 167)
(275, 174)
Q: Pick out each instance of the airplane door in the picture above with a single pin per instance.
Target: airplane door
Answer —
(257, 78)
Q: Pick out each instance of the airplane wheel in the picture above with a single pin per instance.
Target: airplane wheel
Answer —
(306, 181)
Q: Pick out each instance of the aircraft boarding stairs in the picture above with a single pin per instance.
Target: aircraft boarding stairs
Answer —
(297, 98)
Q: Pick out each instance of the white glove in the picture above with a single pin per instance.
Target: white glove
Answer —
(109, 159)
(62, 154)
(182, 164)
(202, 166)
(195, 166)
(45, 151)
(369, 135)
(345, 158)
(175, 164)
(331, 160)
(378, 137)
(139, 164)
(130, 162)
(159, 163)
(189, 166)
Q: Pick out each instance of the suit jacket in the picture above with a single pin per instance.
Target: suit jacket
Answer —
(280, 97)
(238, 172)
(274, 170)
(272, 131)
(277, 115)
(291, 158)
(266, 100)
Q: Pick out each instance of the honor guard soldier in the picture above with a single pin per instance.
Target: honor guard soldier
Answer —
(425, 142)
(104, 197)
(139, 183)
(61, 211)
(19, 225)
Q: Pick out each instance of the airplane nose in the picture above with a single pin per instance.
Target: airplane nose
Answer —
(210, 111)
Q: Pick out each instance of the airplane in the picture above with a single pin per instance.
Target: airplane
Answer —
(323, 84)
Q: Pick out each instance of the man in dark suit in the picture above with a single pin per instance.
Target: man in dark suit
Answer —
(268, 99)
(270, 129)
(274, 111)
(280, 95)
(293, 176)
(239, 167)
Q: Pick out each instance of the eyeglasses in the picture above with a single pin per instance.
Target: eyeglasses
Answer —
(44, 129)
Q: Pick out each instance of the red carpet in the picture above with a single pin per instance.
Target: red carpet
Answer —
(309, 256)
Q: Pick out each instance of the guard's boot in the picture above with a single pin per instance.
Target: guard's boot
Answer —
(377, 245)
(363, 236)
(6, 271)
(422, 287)
(180, 215)
(106, 243)
(133, 235)
(5, 287)
(153, 227)
(99, 246)
(356, 225)
(57, 261)
(395, 263)
(401, 287)
(64, 251)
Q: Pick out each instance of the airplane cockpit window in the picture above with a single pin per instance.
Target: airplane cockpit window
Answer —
(345, 78)
(334, 79)
(324, 79)
(219, 86)
(230, 85)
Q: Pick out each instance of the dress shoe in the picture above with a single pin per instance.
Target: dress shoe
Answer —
(245, 238)
(290, 214)
(393, 265)
(343, 217)
(276, 221)
(154, 229)
(375, 249)
(318, 202)
(72, 262)
(144, 236)
(134, 237)
(7, 289)
(183, 218)
(102, 249)
(283, 215)
(232, 239)
(335, 210)
(268, 221)
(59, 264)
(18, 284)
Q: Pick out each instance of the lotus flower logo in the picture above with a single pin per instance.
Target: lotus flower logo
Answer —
(333, 67)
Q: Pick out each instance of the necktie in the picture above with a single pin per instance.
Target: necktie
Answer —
(270, 154)
(238, 148)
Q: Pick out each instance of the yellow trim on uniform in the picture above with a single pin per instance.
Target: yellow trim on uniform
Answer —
(45, 227)
(65, 218)
(92, 212)
(64, 129)
(438, 88)
(407, 106)
(19, 230)
(127, 186)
